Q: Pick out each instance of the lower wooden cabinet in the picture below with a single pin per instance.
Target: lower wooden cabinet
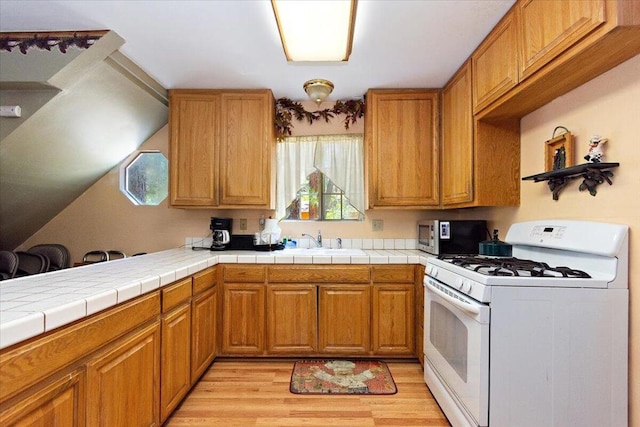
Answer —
(393, 320)
(344, 319)
(243, 323)
(123, 382)
(60, 403)
(204, 309)
(292, 320)
(175, 362)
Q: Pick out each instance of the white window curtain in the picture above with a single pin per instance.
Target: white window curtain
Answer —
(339, 157)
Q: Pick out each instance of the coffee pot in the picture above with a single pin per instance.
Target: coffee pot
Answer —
(221, 229)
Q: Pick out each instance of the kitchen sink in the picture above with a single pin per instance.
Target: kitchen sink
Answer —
(321, 251)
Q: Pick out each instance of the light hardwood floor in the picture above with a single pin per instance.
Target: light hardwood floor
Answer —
(256, 393)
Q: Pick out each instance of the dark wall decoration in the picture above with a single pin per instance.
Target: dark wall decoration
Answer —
(287, 110)
(47, 41)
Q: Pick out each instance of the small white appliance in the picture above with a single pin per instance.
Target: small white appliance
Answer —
(536, 339)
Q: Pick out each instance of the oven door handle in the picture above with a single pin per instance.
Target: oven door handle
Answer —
(462, 305)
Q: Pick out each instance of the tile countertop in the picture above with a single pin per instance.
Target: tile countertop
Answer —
(32, 305)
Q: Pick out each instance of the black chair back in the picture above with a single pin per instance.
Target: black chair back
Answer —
(8, 265)
(58, 255)
(31, 263)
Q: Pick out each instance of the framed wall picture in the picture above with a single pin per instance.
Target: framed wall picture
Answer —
(559, 152)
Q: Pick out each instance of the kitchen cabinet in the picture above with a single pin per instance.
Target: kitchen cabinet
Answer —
(456, 161)
(243, 311)
(344, 319)
(175, 362)
(556, 47)
(392, 328)
(243, 321)
(221, 148)
(480, 160)
(549, 28)
(51, 368)
(60, 403)
(204, 310)
(194, 118)
(292, 320)
(401, 134)
(123, 382)
(495, 63)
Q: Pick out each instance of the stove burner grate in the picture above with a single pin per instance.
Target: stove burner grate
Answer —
(512, 267)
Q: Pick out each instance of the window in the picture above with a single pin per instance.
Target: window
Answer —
(320, 178)
(320, 199)
(144, 178)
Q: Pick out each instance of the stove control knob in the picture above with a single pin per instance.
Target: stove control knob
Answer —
(459, 283)
(434, 271)
(466, 286)
(429, 270)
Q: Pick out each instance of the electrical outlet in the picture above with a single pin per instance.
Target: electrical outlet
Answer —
(243, 224)
(377, 225)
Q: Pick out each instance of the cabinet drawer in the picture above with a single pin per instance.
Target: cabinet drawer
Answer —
(318, 274)
(392, 274)
(175, 294)
(244, 273)
(204, 280)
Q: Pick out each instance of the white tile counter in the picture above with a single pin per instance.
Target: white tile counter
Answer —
(32, 305)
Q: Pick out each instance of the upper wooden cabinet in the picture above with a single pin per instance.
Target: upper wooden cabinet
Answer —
(402, 148)
(247, 145)
(456, 150)
(548, 28)
(221, 148)
(194, 132)
(495, 63)
(555, 46)
(480, 161)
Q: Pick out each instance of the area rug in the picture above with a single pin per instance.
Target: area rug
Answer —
(341, 377)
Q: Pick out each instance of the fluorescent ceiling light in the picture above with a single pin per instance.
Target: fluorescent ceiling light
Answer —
(315, 30)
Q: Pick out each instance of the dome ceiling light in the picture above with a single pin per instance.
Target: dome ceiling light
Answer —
(315, 30)
(318, 89)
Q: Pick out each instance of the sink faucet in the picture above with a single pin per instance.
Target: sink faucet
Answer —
(317, 241)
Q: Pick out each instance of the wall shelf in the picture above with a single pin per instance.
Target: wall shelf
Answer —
(593, 174)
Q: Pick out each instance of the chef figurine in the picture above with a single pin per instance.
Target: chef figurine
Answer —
(595, 154)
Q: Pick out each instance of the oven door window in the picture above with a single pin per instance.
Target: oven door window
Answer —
(450, 337)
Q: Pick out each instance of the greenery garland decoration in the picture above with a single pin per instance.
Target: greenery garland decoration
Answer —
(46, 41)
(287, 110)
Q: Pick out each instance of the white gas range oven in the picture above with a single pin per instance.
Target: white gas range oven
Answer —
(539, 339)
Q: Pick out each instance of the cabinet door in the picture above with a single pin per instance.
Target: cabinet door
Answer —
(175, 365)
(60, 403)
(243, 319)
(548, 28)
(495, 63)
(203, 332)
(123, 383)
(344, 319)
(193, 128)
(292, 319)
(393, 319)
(456, 168)
(402, 148)
(247, 147)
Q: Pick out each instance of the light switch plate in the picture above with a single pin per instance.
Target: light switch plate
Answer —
(243, 224)
(377, 225)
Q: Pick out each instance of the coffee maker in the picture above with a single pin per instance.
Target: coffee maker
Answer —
(221, 233)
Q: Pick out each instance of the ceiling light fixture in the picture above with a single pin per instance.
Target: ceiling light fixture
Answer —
(314, 30)
(318, 89)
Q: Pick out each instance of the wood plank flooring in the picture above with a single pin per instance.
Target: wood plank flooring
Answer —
(256, 393)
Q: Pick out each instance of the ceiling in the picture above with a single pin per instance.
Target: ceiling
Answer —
(235, 44)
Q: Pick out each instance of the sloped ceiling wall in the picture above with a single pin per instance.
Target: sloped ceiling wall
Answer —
(89, 114)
